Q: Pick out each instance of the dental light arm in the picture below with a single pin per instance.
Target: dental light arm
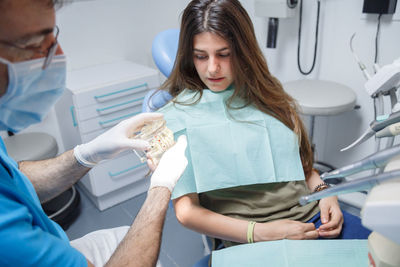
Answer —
(351, 186)
(376, 160)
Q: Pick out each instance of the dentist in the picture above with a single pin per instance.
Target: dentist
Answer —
(32, 77)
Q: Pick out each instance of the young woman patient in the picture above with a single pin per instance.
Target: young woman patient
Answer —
(249, 156)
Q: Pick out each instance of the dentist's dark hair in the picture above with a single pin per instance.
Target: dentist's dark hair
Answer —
(253, 82)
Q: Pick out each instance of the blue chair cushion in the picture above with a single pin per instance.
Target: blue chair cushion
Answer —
(164, 48)
(155, 99)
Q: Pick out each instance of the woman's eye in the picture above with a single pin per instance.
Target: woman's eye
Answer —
(200, 57)
(225, 55)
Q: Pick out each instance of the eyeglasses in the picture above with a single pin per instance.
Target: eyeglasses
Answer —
(51, 51)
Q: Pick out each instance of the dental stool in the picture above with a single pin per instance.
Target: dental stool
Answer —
(32, 146)
(321, 98)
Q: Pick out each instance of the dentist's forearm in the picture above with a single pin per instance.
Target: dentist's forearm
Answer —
(141, 245)
(53, 176)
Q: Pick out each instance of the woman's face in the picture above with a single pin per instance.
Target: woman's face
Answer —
(212, 60)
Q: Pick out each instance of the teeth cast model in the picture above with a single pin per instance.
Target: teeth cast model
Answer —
(160, 138)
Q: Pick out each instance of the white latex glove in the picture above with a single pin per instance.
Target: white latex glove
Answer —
(115, 140)
(171, 166)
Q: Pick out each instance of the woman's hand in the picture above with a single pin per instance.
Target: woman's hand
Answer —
(284, 229)
(331, 218)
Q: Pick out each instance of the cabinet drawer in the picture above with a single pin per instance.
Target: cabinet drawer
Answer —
(69, 126)
(113, 90)
(107, 120)
(101, 109)
(114, 174)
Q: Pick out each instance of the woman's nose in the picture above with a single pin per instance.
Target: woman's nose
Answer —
(213, 66)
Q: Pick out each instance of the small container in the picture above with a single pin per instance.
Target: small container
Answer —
(160, 138)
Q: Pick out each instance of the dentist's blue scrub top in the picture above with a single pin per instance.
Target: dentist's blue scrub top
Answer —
(27, 236)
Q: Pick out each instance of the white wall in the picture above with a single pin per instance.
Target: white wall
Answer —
(339, 20)
(103, 30)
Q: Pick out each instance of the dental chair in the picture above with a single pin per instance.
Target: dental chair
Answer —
(164, 48)
(315, 98)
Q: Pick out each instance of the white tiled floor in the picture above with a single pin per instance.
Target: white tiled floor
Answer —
(180, 247)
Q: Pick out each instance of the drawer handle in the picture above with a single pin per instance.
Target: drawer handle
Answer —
(126, 170)
(119, 118)
(71, 109)
(120, 91)
(118, 105)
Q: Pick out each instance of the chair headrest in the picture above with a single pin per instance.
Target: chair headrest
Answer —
(164, 48)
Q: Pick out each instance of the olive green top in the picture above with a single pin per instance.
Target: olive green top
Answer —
(261, 202)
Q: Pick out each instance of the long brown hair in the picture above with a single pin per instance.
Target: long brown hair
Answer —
(253, 83)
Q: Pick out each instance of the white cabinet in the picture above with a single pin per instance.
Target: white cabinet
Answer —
(96, 99)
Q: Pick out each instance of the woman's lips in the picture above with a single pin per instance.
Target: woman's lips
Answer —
(215, 80)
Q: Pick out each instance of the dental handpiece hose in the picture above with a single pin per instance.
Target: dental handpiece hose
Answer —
(351, 186)
(376, 160)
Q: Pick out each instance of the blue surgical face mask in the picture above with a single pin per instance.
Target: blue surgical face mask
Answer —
(31, 92)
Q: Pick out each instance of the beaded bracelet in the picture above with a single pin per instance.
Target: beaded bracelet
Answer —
(321, 187)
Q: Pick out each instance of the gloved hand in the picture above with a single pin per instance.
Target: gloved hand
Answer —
(115, 140)
(171, 166)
